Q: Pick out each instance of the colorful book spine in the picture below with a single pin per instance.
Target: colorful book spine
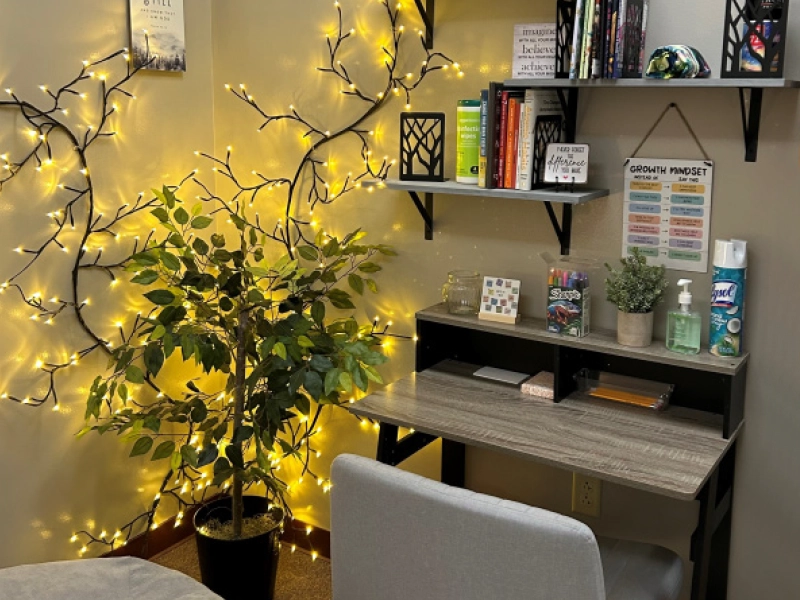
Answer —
(586, 53)
(483, 138)
(538, 103)
(645, 9)
(596, 40)
(577, 38)
(502, 138)
(620, 49)
(612, 42)
(608, 10)
(493, 134)
(512, 141)
(633, 46)
(525, 143)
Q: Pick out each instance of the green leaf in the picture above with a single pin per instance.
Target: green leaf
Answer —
(154, 358)
(386, 250)
(373, 287)
(218, 240)
(331, 381)
(189, 454)
(346, 381)
(207, 455)
(160, 297)
(234, 454)
(313, 384)
(145, 277)
(304, 342)
(308, 252)
(176, 239)
(146, 259)
(170, 261)
(181, 216)
(340, 299)
(279, 350)
(320, 363)
(225, 304)
(199, 412)
(169, 196)
(200, 246)
(175, 461)
(161, 214)
(163, 450)
(158, 332)
(356, 283)
(122, 390)
(242, 434)
(197, 209)
(369, 267)
(318, 312)
(152, 422)
(373, 375)
(142, 446)
(134, 374)
(201, 222)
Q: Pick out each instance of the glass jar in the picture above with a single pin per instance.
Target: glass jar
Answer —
(462, 292)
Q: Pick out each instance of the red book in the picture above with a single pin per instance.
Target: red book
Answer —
(512, 143)
(501, 151)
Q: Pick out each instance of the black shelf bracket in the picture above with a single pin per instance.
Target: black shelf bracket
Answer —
(751, 121)
(426, 11)
(425, 210)
(564, 229)
(569, 105)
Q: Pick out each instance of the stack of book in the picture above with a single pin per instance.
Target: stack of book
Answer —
(608, 39)
(516, 127)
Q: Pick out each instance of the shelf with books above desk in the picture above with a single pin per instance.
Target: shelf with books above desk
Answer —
(568, 89)
(546, 195)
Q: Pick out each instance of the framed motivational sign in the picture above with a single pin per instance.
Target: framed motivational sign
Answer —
(566, 164)
(158, 35)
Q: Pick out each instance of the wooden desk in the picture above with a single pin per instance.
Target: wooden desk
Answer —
(687, 452)
(671, 453)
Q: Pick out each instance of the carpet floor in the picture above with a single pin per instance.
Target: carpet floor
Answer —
(299, 578)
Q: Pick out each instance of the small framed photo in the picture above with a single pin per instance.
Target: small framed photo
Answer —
(566, 164)
(500, 300)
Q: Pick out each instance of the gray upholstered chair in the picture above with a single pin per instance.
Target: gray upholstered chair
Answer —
(395, 535)
(100, 579)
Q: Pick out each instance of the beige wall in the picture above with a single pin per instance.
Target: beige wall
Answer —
(53, 485)
(274, 48)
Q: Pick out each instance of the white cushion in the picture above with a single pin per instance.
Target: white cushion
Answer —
(123, 578)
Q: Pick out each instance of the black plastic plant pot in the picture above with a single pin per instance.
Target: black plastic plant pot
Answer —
(239, 569)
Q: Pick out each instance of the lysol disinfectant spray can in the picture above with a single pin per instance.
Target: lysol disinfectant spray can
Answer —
(727, 297)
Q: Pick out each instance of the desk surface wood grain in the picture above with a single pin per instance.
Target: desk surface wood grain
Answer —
(670, 453)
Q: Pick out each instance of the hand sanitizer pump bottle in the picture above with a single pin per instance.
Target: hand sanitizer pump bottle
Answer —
(684, 325)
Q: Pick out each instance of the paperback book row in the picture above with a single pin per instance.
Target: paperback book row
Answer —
(515, 128)
(608, 39)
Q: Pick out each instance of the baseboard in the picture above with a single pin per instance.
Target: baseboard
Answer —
(148, 544)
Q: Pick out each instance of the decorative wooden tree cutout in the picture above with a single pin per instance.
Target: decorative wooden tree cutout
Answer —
(422, 146)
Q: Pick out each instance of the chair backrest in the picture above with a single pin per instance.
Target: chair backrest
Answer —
(396, 535)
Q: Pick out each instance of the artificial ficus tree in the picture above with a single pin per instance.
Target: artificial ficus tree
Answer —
(326, 264)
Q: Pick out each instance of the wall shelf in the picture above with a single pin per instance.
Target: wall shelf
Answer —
(548, 196)
(751, 110)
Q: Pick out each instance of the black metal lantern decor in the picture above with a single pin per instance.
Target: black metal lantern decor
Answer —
(422, 146)
(755, 38)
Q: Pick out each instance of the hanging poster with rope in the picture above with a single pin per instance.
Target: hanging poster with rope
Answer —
(667, 211)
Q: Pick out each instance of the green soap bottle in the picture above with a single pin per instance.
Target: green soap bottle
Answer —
(684, 325)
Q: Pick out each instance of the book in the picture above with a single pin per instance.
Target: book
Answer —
(524, 143)
(607, 28)
(512, 142)
(612, 39)
(537, 105)
(577, 38)
(502, 139)
(483, 138)
(619, 54)
(492, 129)
(534, 51)
(586, 53)
(633, 38)
(596, 44)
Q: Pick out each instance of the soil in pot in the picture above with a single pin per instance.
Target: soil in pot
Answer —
(243, 568)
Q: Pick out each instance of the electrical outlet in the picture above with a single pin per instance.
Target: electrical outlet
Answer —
(586, 494)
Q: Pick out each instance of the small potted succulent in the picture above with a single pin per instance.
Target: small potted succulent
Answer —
(635, 289)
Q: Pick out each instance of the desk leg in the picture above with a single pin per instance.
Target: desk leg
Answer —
(453, 463)
(387, 442)
(711, 540)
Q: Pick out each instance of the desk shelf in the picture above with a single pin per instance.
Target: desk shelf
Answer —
(548, 196)
(702, 382)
